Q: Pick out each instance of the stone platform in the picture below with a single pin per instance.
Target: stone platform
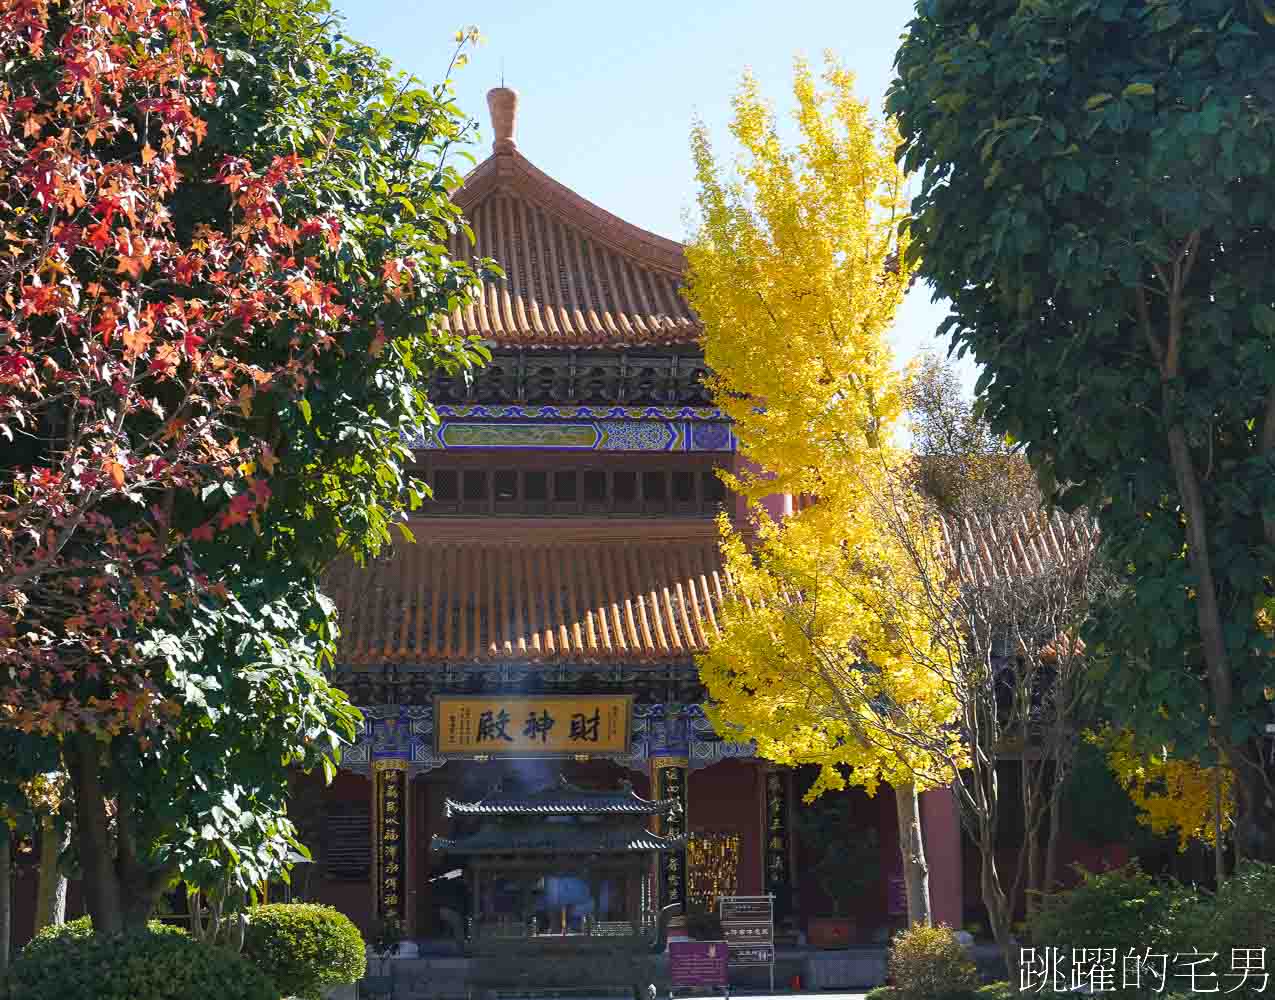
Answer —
(822, 973)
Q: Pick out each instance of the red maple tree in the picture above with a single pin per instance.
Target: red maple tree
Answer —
(125, 377)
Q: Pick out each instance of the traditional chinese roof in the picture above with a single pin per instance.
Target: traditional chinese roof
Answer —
(557, 838)
(575, 275)
(562, 800)
(990, 549)
(534, 589)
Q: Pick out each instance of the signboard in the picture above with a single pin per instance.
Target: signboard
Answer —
(746, 909)
(697, 964)
(746, 934)
(530, 727)
(391, 803)
(748, 925)
(777, 845)
(670, 783)
(762, 954)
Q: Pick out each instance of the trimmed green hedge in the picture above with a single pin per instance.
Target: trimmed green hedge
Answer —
(70, 962)
(305, 947)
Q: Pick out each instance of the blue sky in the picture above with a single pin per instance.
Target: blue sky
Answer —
(608, 91)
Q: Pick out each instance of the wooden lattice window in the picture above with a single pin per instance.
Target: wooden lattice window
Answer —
(596, 485)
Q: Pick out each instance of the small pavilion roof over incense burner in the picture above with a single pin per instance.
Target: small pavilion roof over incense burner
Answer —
(559, 820)
(544, 838)
(576, 276)
(563, 799)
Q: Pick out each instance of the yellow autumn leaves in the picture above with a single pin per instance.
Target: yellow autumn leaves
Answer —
(1173, 795)
(796, 269)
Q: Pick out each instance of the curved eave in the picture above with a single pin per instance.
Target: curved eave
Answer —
(511, 170)
(558, 807)
(639, 842)
(576, 276)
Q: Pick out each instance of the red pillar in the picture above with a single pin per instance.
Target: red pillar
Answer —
(941, 830)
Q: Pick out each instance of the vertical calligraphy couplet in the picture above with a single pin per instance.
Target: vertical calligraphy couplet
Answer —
(669, 775)
(390, 870)
(778, 877)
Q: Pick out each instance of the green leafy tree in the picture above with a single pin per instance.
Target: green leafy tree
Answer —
(1099, 206)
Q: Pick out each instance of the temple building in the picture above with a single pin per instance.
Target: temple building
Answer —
(543, 627)
(531, 655)
(535, 758)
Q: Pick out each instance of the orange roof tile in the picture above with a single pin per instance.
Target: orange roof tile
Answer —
(474, 589)
(575, 275)
(987, 549)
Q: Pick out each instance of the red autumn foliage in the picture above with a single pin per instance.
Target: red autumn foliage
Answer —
(125, 371)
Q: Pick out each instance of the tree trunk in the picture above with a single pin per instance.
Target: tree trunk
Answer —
(1051, 845)
(6, 898)
(50, 905)
(1031, 840)
(1217, 660)
(1254, 835)
(92, 835)
(916, 873)
(1000, 907)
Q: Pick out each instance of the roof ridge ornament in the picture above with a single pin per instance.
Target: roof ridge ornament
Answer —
(502, 103)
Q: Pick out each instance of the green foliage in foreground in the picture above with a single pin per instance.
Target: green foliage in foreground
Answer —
(1127, 910)
(305, 947)
(158, 963)
(1098, 204)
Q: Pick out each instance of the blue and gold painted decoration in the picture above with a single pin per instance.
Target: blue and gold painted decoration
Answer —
(578, 435)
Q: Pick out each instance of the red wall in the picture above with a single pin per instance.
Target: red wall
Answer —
(862, 812)
(354, 899)
(941, 833)
(25, 882)
(728, 796)
(1093, 857)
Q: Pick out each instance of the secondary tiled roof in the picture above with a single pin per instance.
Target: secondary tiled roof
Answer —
(565, 800)
(575, 275)
(988, 549)
(472, 589)
(558, 838)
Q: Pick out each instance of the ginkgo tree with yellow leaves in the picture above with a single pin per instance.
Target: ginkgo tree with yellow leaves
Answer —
(797, 269)
(1173, 794)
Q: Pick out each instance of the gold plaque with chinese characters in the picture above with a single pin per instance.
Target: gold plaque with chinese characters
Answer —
(533, 727)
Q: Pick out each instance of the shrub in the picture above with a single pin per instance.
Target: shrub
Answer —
(304, 947)
(60, 935)
(882, 993)
(159, 963)
(1244, 910)
(1123, 909)
(1242, 916)
(928, 963)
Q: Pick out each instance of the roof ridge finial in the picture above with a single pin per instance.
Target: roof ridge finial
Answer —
(502, 102)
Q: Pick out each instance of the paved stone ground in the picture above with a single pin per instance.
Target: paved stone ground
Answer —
(349, 994)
